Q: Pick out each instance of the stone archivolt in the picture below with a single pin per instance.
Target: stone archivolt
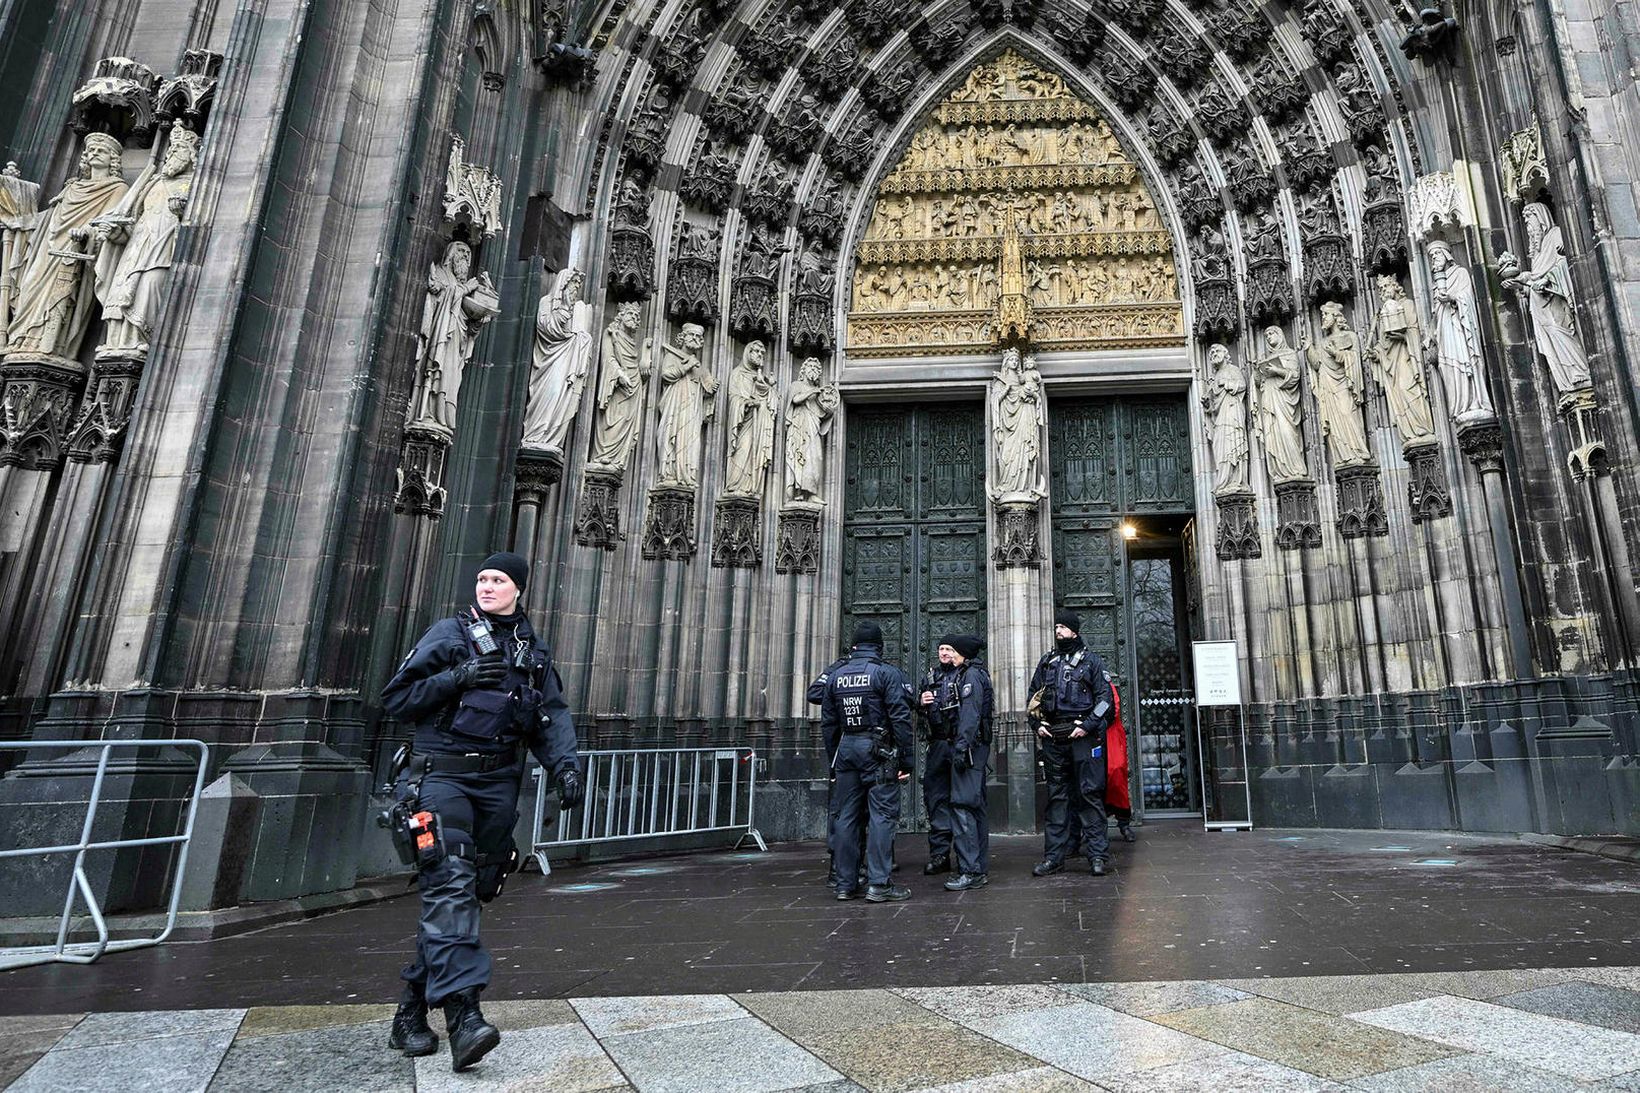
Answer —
(1014, 153)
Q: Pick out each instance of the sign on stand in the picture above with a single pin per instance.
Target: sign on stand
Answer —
(1218, 688)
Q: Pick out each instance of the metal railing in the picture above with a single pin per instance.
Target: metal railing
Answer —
(85, 952)
(651, 793)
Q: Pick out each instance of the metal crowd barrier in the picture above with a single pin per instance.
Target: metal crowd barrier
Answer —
(649, 793)
(85, 952)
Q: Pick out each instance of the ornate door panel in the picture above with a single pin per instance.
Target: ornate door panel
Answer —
(1156, 456)
(914, 551)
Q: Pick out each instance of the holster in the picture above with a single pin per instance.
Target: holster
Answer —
(493, 870)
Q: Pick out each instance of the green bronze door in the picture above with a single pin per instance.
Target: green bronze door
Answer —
(914, 527)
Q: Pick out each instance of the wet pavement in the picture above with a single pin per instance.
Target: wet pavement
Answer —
(1185, 905)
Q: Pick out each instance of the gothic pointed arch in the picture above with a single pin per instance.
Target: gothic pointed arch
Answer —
(1014, 214)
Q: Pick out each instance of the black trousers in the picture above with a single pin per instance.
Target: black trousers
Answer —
(1075, 771)
(936, 786)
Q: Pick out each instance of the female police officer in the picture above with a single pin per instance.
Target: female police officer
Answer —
(479, 688)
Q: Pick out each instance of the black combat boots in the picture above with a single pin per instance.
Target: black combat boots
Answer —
(937, 865)
(411, 1033)
(471, 1037)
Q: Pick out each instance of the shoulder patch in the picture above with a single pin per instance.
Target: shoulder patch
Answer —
(967, 689)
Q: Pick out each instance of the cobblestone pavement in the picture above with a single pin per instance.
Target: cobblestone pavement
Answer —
(1521, 1029)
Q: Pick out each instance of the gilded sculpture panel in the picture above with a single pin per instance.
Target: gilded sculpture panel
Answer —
(1014, 214)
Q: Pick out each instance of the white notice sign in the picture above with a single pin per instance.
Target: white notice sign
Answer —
(1218, 674)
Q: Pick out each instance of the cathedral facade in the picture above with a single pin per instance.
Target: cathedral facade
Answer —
(1305, 325)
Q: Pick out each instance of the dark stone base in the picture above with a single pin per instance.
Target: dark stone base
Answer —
(307, 830)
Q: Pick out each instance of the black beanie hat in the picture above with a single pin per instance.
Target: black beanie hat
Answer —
(1069, 619)
(968, 645)
(868, 633)
(513, 565)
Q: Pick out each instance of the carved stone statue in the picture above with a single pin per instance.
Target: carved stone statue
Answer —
(753, 403)
(456, 309)
(1226, 403)
(1340, 388)
(558, 363)
(1018, 413)
(141, 237)
(54, 285)
(19, 201)
(809, 407)
(622, 373)
(1455, 343)
(687, 388)
(1279, 420)
(1547, 286)
(1395, 346)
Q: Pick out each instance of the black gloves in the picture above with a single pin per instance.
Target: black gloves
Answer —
(571, 789)
(486, 671)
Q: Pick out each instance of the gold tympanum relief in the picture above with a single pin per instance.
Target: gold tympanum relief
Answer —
(1014, 215)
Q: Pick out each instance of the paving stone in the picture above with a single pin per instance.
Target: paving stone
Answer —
(800, 1014)
(1468, 1074)
(1548, 1043)
(102, 1029)
(165, 1064)
(1623, 1083)
(30, 1043)
(613, 1016)
(12, 1026)
(1092, 1041)
(1041, 1079)
(1587, 1003)
(353, 1057)
(1336, 994)
(551, 1059)
(1323, 1044)
(1627, 978)
(273, 1020)
(1232, 1073)
(524, 1013)
(713, 1056)
(12, 1066)
(1487, 984)
(1148, 999)
(906, 1057)
(966, 1004)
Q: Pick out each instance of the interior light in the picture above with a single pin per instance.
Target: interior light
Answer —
(1130, 530)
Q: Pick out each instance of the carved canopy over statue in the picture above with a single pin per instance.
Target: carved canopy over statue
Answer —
(457, 307)
(559, 362)
(810, 404)
(141, 237)
(687, 388)
(753, 403)
(56, 272)
(1226, 403)
(1018, 415)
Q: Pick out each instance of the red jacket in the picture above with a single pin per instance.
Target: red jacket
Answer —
(1116, 758)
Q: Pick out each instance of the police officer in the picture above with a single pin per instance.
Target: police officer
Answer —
(966, 694)
(866, 719)
(479, 688)
(938, 710)
(1072, 690)
(816, 695)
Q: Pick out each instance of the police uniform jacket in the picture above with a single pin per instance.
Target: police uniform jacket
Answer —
(527, 707)
(1076, 683)
(817, 690)
(970, 685)
(941, 713)
(866, 694)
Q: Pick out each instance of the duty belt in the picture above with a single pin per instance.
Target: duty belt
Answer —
(861, 732)
(470, 763)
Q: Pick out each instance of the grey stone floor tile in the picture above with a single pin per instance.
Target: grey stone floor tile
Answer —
(713, 1055)
(1487, 984)
(12, 1066)
(1623, 1083)
(1040, 1079)
(1548, 1043)
(103, 1029)
(969, 1004)
(273, 1020)
(800, 1014)
(1321, 1043)
(530, 1013)
(1149, 999)
(905, 1057)
(549, 1059)
(168, 1064)
(1092, 1042)
(30, 1043)
(1335, 993)
(1469, 1074)
(614, 1016)
(12, 1026)
(1232, 1073)
(1627, 978)
(351, 1057)
(1586, 1003)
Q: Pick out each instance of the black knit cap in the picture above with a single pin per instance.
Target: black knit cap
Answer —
(1069, 619)
(513, 565)
(968, 645)
(868, 633)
